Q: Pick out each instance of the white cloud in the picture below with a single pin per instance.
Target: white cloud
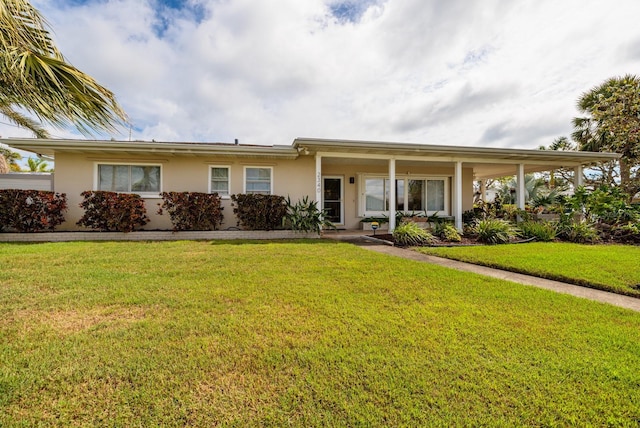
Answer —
(496, 73)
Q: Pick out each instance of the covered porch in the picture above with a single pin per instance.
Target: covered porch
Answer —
(359, 179)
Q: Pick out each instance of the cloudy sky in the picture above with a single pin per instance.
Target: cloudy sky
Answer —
(454, 72)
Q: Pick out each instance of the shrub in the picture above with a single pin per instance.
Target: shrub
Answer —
(476, 214)
(304, 216)
(629, 232)
(544, 231)
(447, 231)
(259, 212)
(31, 210)
(112, 212)
(581, 232)
(192, 210)
(411, 234)
(606, 204)
(494, 231)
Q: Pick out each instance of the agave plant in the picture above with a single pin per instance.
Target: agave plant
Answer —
(304, 216)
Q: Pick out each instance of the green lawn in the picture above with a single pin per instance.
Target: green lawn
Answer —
(298, 334)
(607, 267)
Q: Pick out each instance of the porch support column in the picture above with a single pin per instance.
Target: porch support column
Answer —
(578, 179)
(319, 181)
(457, 198)
(521, 188)
(483, 190)
(392, 195)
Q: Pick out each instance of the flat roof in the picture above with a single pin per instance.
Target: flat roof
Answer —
(50, 146)
(487, 162)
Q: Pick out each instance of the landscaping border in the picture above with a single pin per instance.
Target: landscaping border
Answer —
(155, 235)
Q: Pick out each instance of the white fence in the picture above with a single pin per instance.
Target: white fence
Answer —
(27, 181)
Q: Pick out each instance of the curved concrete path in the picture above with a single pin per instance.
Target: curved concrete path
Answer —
(560, 287)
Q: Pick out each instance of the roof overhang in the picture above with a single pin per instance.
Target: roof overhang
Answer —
(487, 162)
(49, 147)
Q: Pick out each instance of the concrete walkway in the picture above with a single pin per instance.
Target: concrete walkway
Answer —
(560, 287)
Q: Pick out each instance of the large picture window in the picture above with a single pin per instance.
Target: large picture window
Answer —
(258, 180)
(219, 180)
(129, 178)
(423, 194)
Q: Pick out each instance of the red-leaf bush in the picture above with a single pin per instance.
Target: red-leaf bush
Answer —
(112, 212)
(31, 210)
(192, 210)
(259, 212)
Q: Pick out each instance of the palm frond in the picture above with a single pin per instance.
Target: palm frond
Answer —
(35, 76)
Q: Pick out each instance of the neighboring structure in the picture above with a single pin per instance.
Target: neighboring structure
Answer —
(350, 179)
(27, 181)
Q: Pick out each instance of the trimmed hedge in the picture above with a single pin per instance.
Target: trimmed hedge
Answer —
(192, 210)
(31, 210)
(112, 212)
(259, 212)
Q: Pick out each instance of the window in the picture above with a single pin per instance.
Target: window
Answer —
(129, 178)
(219, 180)
(257, 180)
(424, 194)
(435, 195)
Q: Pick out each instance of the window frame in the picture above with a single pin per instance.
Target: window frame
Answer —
(446, 179)
(228, 168)
(96, 177)
(244, 178)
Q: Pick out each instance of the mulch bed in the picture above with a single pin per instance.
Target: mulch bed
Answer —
(465, 242)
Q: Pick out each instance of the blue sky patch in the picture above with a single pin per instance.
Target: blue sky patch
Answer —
(350, 10)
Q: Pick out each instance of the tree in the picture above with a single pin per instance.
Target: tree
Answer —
(37, 165)
(35, 78)
(533, 188)
(612, 123)
(9, 160)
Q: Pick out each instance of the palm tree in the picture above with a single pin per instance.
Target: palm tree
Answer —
(4, 166)
(533, 187)
(35, 77)
(37, 165)
(9, 160)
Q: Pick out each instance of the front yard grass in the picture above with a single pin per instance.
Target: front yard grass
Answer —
(607, 267)
(298, 334)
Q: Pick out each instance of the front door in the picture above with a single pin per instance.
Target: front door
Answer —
(332, 199)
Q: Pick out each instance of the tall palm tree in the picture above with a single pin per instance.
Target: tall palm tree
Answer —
(35, 77)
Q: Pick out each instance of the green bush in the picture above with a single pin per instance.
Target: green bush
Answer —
(447, 232)
(192, 210)
(494, 231)
(31, 210)
(606, 204)
(544, 231)
(259, 212)
(410, 234)
(581, 232)
(112, 212)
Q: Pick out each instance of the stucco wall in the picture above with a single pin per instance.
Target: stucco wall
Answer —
(75, 173)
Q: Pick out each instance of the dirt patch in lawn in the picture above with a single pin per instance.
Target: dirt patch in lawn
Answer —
(76, 320)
